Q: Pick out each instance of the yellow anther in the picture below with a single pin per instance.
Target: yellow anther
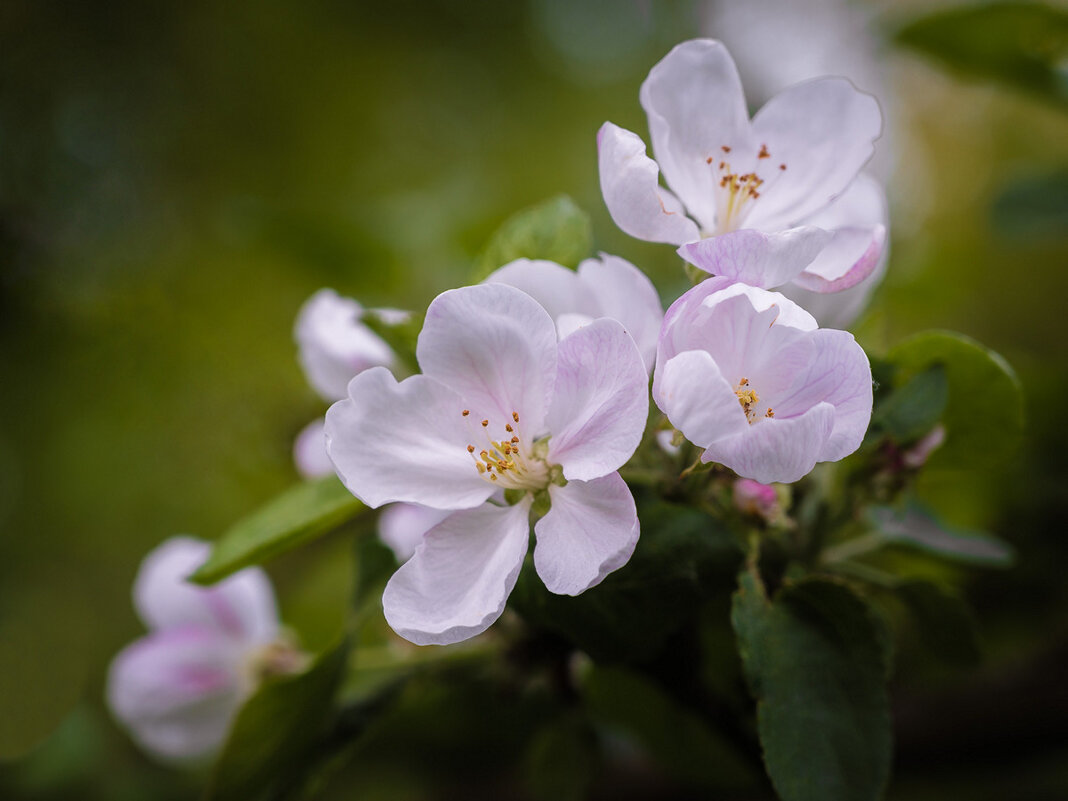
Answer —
(465, 412)
(508, 428)
(485, 423)
(470, 448)
(515, 417)
(763, 154)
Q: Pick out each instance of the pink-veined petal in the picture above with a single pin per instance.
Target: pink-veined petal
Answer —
(177, 690)
(823, 131)
(626, 294)
(776, 450)
(401, 526)
(590, 530)
(405, 441)
(334, 345)
(495, 346)
(600, 402)
(697, 399)
(555, 287)
(695, 104)
(241, 606)
(756, 258)
(457, 582)
(632, 192)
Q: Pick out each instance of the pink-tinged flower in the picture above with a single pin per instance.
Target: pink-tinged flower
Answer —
(605, 287)
(309, 451)
(501, 404)
(401, 526)
(745, 374)
(178, 688)
(746, 194)
(754, 498)
(334, 345)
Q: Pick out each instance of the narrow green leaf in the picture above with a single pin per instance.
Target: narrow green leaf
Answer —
(278, 730)
(917, 530)
(944, 623)
(1021, 44)
(555, 229)
(816, 661)
(984, 412)
(298, 515)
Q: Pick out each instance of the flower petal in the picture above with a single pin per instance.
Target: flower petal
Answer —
(457, 583)
(177, 691)
(405, 442)
(626, 294)
(823, 131)
(696, 106)
(401, 526)
(756, 258)
(241, 606)
(600, 403)
(496, 347)
(309, 451)
(697, 399)
(590, 530)
(632, 192)
(334, 345)
(556, 288)
(776, 450)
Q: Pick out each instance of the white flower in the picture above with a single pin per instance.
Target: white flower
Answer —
(178, 688)
(500, 405)
(746, 193)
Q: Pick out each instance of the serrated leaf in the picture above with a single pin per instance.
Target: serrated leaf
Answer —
(277, 730)
(293, 518)
(555, 229)
(984, 414)
(944, 623)
(816, 658)
(1017, 43)
(917, 530)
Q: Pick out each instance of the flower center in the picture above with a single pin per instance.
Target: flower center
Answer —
(511, 462)
(737, 190)
(749, 399)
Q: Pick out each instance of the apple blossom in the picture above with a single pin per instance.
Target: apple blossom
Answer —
(401, 526)
(744, 194)
(604, 287)
(753, 498)
(178, 688)
(501, 404)
(746, 374)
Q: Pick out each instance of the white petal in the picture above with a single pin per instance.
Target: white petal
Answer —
(457, 583)
(177, 691)
(241, 606)
(697, 399)
(776, 450)
(405, 442)
(625, 293)
(334, 345)
(309, 451)
(590, 530)
(696, 106)
(630, 183)
(600, 403)
(496, 347)
(756, 258)
(823, 131)
(556, 288)
(401, 526)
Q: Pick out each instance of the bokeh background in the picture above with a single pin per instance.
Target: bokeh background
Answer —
(176, 178)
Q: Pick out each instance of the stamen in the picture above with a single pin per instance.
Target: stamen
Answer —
(515, 417)
(782, 166)
(470, 448)
(465, 412)
(485, 423)
(508, 428)
(763, 154)
(725, 149)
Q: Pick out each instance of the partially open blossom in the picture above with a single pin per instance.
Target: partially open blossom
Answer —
(745, 195)
(745, 374)
(334, 345)
(604, 287)
(178, 688)
(501, 404)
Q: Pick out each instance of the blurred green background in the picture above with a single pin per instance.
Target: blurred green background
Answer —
(176, 178)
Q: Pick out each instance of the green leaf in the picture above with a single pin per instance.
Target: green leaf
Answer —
(984, 413)
(561, 760)
(278, 730)
(1017, 43)
(917, 530)
(1033, 208)
(944, 623)
(674, 735)
(293, 518)
(816, 660)
(911, 410)
(555, 229)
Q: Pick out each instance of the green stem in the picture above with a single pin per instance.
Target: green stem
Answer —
(853, 548)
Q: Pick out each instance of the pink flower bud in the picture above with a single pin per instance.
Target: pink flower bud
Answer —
(754, 498)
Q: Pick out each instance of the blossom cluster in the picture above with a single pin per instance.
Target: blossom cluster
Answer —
(533, 390)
